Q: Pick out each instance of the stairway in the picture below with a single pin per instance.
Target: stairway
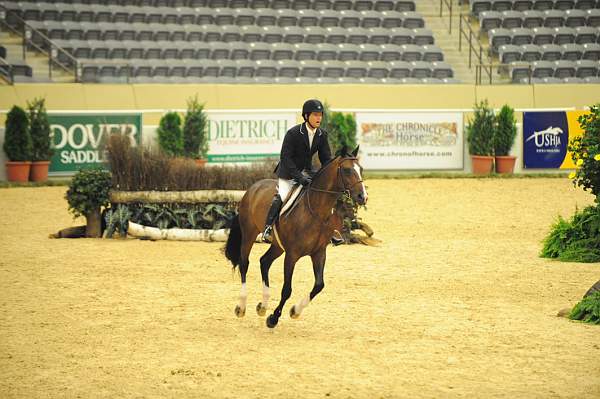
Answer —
(37, 61)
(448, 42)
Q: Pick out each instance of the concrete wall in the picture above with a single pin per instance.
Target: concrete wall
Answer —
(154, 99)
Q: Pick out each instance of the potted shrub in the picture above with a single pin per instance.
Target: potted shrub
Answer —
(170, 136)
(480, 136)
(504, 138)
(17, 145)
(88, 192)
(39, 128)
(195, 138)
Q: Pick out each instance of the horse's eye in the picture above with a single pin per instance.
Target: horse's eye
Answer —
(347, 171)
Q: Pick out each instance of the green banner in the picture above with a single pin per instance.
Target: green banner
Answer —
(79, 140)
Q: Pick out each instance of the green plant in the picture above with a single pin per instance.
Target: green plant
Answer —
(480, 130)
(39, 128)
(117, 219)
(195, 138)
(588, 310)
(170, 136)
(340, 128)
(17, 139)
(88, 191)
(585, 152)
(506, 131)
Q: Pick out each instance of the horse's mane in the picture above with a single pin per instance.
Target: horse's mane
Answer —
(323, 167)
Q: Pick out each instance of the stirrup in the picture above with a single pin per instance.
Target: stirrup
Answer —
(267, 235)
(337, 241)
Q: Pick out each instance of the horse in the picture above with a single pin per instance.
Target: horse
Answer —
(305, 230)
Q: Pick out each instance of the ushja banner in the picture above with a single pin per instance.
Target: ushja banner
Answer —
(410, 141)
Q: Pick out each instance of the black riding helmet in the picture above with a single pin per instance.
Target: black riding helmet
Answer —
(311, 106)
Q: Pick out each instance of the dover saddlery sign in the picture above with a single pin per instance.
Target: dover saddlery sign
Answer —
(410, 141)
(247, 136)
(79, 140)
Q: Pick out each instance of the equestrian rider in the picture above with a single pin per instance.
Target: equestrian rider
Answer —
(295, 164)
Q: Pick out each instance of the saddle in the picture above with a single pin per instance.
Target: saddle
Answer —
(290, 201)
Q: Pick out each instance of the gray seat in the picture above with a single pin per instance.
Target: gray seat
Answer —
(316, 34)
(399, 69)
(283, 51)
(260, 51)
(543, 5)
(280, 4)
(586, 34)
(532, 52)
(308, 51)
(520, 71)
(586, 68)
(564, 69)
(442, 70)
(390, 52)
(322, 4)
(412, 20)
(391, 19)
(420, 69)
(266, 17)
(349, 18)
(522, 5)
(543, 69)
(543, 35)
(311, 69)
(378, 70)
(573, 80)
(361, 35)
(521, 36)
(411, 52)
(585, 4)
(266, 69)
(593, 18)
(572, 52)
(287, 17)
(575, 18)
(244, 16)
(554, 18)
(564, 4)
(220, 50)
(334, 69)
(499, 37)
(369, 52)
(501, 5)
(405, 6)
(355, 69)
(422, 36)
(348, 52)
(384, 5)
(564, 35)
(551, 52)
(239, 51)
(363, 5)
(490, 20)
(250, 33)
(336, 35)
(245, 68)
(342, 5)
(288, 69)
(274, 34)
(591, 51)
(533, 19)
(512, 19)
(329, 18)
(509, 53)
(399, 36)
(308, 18)
(224, 16)
(378, 36)
(293, 34)
(478, 6)
(370, 19)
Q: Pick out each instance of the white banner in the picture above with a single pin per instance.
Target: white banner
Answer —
(410, 141)
(247, 136)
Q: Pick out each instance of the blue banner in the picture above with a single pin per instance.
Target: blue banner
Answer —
(545, 139)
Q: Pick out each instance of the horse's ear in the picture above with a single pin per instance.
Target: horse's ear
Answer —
(355, 152)
(342, 152)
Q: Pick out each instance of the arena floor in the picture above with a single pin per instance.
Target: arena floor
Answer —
(454, 303)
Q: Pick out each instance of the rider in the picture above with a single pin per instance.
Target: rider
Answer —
(295, 164)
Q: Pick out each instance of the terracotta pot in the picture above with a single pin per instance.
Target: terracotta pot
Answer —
(39, 171)
(201, 162)
(482, 165)
(18, 171)
(505, 164)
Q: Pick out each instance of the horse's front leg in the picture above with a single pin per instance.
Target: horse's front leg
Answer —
(286, 291)
(318, 261)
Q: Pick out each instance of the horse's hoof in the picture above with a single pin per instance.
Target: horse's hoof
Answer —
(272, 321)
(239, 312)
(260, 309)
(293, 313)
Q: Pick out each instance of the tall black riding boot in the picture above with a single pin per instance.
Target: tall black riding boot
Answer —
(271, 217)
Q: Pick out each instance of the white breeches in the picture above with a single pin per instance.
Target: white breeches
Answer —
(284, 187)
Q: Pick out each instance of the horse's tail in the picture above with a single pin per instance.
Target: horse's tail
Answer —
(234, 242)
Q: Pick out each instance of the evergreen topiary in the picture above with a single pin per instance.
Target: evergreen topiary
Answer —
(340, 128)
(506, 131)
(480, 130)
(17, 139)
(40, 130)
(87, 193)
(588, 310)
(170, 136)
(195, 138)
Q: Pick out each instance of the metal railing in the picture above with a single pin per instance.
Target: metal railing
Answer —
(506, 68)
(448, 5)
(6, 71)
(46, 47)
(475, 47)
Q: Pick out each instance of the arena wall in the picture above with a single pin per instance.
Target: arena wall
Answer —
(152, 100)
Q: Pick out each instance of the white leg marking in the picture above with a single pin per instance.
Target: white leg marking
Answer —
(243, 296)
(266, 295)
(301, 305)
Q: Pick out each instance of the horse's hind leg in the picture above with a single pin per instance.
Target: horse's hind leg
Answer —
(318, 261)
(288, 271)
(266, 261)
(247, 243)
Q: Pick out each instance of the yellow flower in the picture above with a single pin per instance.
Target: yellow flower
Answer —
(579, 162)
(572, 175)
(585, 154)
(597, 157)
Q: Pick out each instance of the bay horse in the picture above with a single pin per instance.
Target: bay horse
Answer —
(306, 229)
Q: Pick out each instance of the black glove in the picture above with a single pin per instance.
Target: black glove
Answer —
(304, 180)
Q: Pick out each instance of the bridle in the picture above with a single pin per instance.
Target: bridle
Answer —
(346, 191)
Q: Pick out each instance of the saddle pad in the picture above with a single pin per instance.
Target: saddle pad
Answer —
(291, 199)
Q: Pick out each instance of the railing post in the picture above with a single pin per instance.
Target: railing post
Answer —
(470, 48)
(460, 33)
(441, 4)
(450, 22)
